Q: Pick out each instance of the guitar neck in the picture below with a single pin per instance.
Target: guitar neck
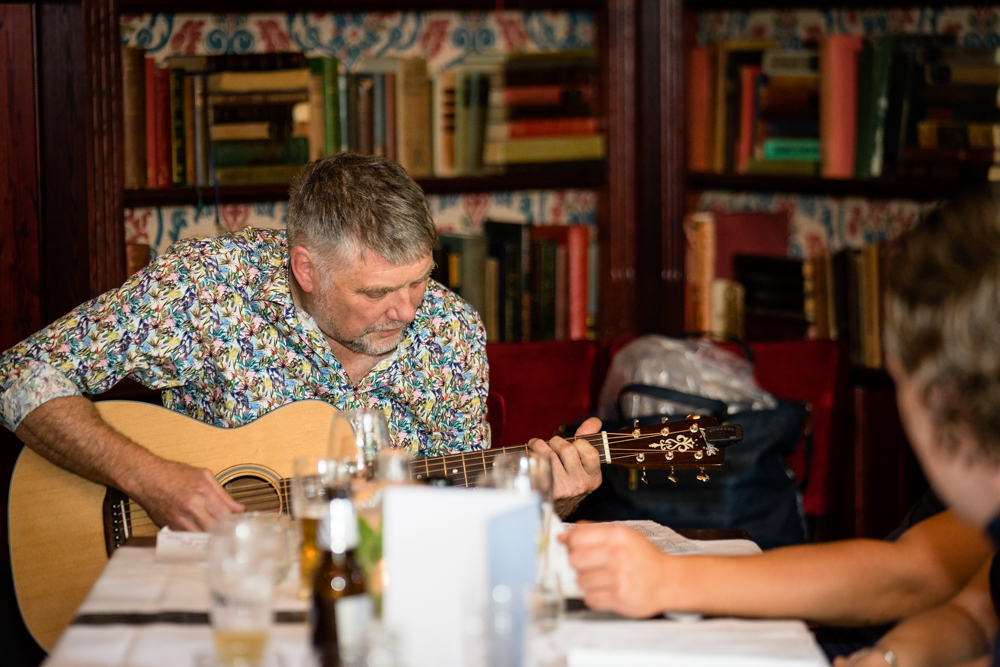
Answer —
(459, 469)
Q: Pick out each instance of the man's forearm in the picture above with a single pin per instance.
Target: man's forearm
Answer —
(70, 432)
(854, 582)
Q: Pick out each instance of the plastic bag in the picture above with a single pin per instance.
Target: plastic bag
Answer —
(692, 366)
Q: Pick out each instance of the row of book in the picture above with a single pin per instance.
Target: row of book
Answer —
(741, 283)
(527, 282)
(248, 119)
(853, 107)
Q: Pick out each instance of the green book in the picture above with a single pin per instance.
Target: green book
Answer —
(473, 157)
(874, 66)
(461, 122)
(331, 105)
(260, 152)
(178, 133)
(792, 149)
(472, 268)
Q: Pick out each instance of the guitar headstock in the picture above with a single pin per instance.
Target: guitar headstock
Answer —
(678, 445)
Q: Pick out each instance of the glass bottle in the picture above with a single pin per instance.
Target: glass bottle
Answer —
(341, 610)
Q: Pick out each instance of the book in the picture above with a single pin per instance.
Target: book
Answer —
(936, 134)
(546, 95)
(256, 175)
(510, 244)
(366, 115)
(947, 73)
(257, 153)
(791, 149)
(202, 150)
(471, 252)
(747, 233)
(554, 149)
(748, 92)
(391, 118)
(134, 116)
(491, 318)
(838, 104)
(413, 111)
(178, 134)
(189, 131)
(233, 131)
(874, 69)
(699, 108)
(783, 167)
(543, 289)
(543, 127)
(575, 239)
(473, 126)
(238, 62)
(152, 134)
(562, 293)
(727, 309)
(699, 271)
(259, 81)
(378, 114)
(774, 286)
(444, 124)
(460, 155)
(791, 62)
(317, 121)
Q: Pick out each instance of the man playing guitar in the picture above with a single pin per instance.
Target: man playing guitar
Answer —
(341, 309)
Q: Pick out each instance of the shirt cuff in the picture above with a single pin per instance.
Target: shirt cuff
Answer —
(38, 383)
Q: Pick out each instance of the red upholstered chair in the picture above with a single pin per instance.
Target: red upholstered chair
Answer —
(541, 385)
(496, 416)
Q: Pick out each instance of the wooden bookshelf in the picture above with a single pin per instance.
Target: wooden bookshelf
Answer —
(591, 178)
(916, 189)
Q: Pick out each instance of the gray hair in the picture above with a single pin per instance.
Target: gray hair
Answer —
(351, 199)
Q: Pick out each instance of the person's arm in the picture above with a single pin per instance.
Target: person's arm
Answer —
(576, 466)
(69, 432)
(852, 582)
(961, 630)
(147, 329)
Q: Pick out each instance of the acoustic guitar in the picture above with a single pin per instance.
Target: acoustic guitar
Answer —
(63, 527)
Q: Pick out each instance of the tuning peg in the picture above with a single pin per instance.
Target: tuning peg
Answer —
(702, 475)
(645, 480)
(698, 455)
(672, 477)
(670, 456)
(663, 419)
(640, 457)
(635, 423)
(693, 417)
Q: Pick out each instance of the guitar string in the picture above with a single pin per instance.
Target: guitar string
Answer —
(267, 499)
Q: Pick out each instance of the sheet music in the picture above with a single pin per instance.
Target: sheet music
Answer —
(663, 538)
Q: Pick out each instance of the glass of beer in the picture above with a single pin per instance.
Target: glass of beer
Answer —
(314, 479)
(241, 580)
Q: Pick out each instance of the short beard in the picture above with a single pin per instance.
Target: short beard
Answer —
(360, 344)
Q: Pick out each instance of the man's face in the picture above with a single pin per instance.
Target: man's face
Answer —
(964, 482)
(365, 303)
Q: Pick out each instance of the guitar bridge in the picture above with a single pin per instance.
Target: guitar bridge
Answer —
(117, 519)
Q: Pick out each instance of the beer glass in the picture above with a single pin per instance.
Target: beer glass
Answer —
(314, 479)
(242, 559)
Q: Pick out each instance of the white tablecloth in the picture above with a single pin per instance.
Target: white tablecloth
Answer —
(134, 583)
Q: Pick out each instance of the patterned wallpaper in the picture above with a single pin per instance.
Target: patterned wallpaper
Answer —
(464, 214)
(445, 39)
(973, 27)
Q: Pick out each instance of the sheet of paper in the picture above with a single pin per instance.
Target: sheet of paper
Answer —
(663, 538)
(181, 546)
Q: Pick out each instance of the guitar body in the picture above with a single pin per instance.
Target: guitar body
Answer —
(57, 517)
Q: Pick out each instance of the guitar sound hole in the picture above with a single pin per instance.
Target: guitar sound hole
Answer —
(254, 493)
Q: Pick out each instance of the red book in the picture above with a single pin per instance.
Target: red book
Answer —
(699, 108)
(542, 127)
(575, 239)
(391, 152)
(748, 233)
(523, 96)
(748, 83)
(151, 154)
(164, 156)
(838, 103)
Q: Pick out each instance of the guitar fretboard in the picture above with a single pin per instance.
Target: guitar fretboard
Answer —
(459, 469)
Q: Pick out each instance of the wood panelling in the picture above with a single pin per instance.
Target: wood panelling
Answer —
(672, 165)
(19, 226)
(617, 207)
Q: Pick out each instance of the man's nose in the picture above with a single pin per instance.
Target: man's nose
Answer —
(401, 309)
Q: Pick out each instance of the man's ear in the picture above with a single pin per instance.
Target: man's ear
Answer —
(303, 268)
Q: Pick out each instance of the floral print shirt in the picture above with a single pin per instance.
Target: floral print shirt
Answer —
(212, 323)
